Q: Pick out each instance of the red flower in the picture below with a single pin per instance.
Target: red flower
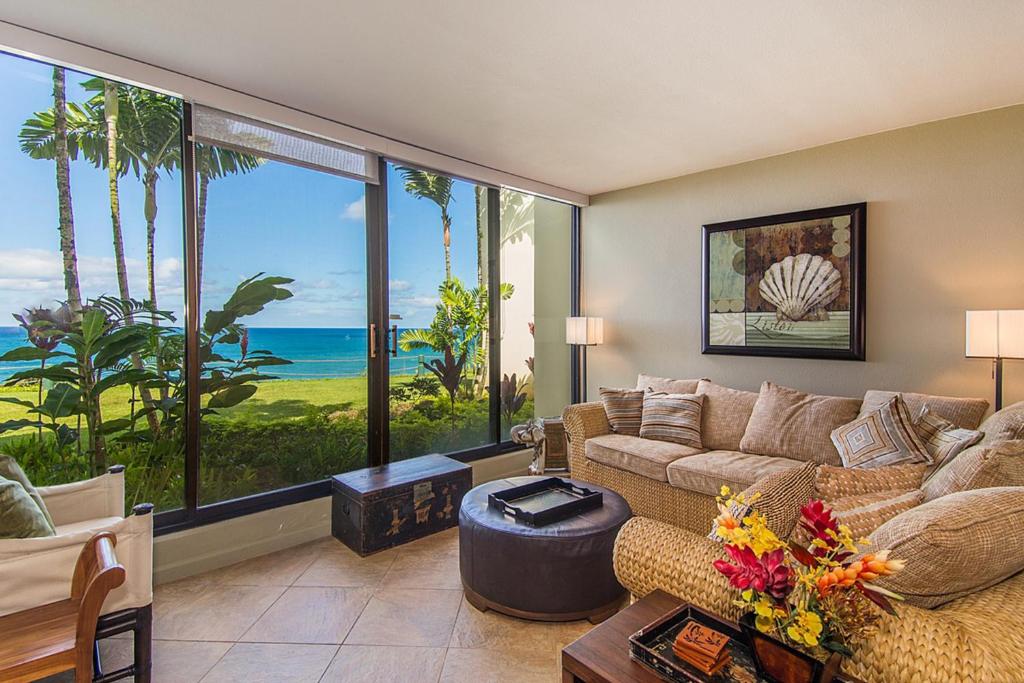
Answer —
(767, 574)
(244, 341)
(817, 519)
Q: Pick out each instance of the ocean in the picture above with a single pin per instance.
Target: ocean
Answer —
(316, 353)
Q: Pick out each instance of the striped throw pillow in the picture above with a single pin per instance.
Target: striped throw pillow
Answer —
(943, 439)
(884, 436)
(672, 417)
(624, 408)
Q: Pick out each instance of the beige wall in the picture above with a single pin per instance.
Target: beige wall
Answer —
(945, 233)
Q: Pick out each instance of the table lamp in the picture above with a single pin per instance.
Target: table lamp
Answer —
(996, 335)
(581, 332)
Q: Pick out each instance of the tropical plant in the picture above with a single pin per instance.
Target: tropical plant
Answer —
(513, 396)
(212, 163)
(460, 320)
(59, 146)
(437, 188)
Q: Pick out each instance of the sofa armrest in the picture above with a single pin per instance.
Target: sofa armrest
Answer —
(101, 496)
(38, 571)
(977, 638)
(583, 421)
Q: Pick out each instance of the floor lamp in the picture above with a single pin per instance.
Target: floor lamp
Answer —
(996, 335)
(582, 332)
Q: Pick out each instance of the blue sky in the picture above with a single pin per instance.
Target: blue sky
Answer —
(280, 219)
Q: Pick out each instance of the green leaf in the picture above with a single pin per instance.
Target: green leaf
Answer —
(216, 321)
(111, 426)
(94, 324)
(25, 353)
(120, 348)
(131, 376)
(264, 361)
(65, 435)
(10, 425)
(61, 401)
(17, 401)
(54, 373)
(231, 396)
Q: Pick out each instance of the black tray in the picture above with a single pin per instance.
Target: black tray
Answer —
(545, 502)
(652, 647)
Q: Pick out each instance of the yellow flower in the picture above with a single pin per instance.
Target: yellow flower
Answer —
(725, 491)
(806, 628)
(764, 608)
(764, 624)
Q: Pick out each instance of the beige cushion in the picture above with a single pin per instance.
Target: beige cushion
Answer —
(963, 412)
(883, 437)
(724, 415)
(943, 439)
(780, 495)
(707, 472)
(666, 384)
(865, 512)
(672, 417)
(979, 467)
(624, 408)
(1004, 424)
(633, 454)
(787, 423)
(10, 469)
(20, 517)
(954, 546)
(834, 483)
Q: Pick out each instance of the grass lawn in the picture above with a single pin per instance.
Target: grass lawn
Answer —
(274, 399)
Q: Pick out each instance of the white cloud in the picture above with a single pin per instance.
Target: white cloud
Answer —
(356, 211)
(399, 285)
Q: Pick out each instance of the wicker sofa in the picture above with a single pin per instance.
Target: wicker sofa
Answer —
(977, 638)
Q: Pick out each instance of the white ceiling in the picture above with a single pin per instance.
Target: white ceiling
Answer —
(589, 95)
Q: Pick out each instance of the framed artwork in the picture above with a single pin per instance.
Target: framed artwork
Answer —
(790, 285)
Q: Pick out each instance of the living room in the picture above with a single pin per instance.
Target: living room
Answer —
(734, 285)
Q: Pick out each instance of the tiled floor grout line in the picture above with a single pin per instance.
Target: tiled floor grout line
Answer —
(329, 665)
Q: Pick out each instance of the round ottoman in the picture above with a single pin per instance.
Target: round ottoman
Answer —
(559, 572)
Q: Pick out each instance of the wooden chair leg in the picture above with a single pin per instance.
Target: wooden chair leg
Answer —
(144, 644)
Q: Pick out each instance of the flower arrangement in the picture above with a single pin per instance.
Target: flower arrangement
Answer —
(820, 598)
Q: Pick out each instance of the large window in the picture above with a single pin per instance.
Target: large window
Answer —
(235, 311)
(91, 279)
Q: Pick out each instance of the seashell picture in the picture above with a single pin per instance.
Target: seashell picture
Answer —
(788, 285)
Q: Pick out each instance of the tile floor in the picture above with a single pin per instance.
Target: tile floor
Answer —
(319, 612)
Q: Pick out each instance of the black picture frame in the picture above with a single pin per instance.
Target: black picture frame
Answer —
(856, 350)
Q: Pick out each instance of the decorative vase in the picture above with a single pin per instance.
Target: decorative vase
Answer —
(782, 663)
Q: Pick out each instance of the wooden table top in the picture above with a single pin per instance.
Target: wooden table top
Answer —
(602, 655)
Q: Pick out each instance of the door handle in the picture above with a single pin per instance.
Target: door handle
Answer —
(373, 340)
(394, 340)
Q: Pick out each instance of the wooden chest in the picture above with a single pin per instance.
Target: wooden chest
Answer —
(556, 455)
(381, 507)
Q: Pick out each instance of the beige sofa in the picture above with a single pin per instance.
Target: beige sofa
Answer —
(976, 638)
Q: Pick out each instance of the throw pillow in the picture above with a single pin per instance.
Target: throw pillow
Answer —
(834, 483)
(963, 412)
(865, 512)
(624, 408)
(883, 437)
(10, 469)
(979, 467)
(1004, 424)
(672, 417)
(954, 546)
(943, 439)
(787, 423)
(20, 517)
(666, 385)
(779, 497)
(724, 416)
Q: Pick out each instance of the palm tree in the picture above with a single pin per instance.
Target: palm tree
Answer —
(60, 146)
(111, 109)
(212, 163)
(438, 189)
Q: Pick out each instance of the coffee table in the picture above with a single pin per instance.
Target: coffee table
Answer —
(557, 572)
(602, 654)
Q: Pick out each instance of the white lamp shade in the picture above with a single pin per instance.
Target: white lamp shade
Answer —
(995, 334)
(584, 331)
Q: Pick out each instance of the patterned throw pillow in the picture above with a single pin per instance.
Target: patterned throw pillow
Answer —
(624, 408)
(666, 385)
(834, 483)
(866, 512)
(979, 467)
(883, 437)
(943, 439)
(1004, 424)
(672, 417)
(780, 495)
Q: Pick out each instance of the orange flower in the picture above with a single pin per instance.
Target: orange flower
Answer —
(879, 564)
(867, 568)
